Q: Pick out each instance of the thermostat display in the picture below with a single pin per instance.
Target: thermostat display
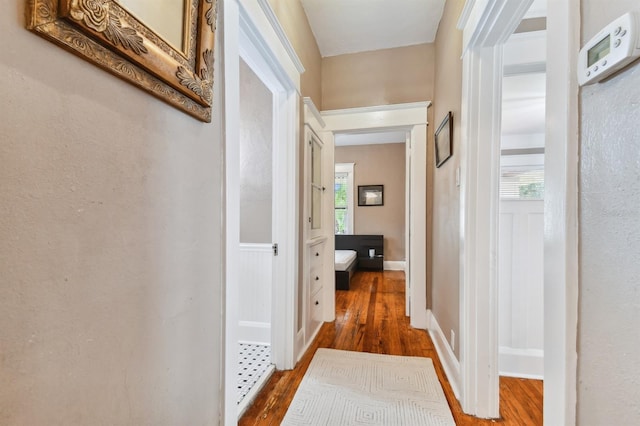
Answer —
(599, 51)
(613, 48)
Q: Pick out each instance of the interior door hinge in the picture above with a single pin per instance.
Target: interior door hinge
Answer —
(275, 249)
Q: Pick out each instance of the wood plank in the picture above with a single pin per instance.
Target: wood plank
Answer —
(371, 318)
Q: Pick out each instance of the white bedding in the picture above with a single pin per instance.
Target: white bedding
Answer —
(344, 259)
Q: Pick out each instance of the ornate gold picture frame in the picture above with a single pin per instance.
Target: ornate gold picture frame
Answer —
(107, 34)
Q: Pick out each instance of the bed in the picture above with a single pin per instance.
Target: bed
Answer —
(345, 263)
(360, 244)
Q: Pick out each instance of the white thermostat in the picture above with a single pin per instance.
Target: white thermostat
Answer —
(613, 48)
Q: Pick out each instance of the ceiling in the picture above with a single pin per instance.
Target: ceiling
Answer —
(350, 26)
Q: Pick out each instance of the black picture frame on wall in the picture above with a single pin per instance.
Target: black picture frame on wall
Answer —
(370, 195)
(443, 138)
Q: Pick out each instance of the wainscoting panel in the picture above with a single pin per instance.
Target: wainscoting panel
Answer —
(256, 261)
(520, 295)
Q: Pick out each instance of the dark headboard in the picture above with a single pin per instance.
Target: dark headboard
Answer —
(360, 243)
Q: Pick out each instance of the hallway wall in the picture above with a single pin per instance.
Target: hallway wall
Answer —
(256, 158)
(608, 338)
(110, 222)
(380, 77)
(445, 292)
(294, 21)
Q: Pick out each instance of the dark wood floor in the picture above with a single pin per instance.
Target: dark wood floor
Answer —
(371, 318)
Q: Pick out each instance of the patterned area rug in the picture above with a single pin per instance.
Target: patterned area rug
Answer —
(356, 388)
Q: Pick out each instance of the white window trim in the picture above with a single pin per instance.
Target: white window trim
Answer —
(348, 168)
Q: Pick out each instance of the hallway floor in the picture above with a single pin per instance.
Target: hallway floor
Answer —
(371, 318)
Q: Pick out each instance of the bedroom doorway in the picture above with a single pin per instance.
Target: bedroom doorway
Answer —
(408, 121)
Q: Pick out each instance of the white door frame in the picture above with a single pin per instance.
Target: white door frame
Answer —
(486, 26)
(561, 214)
(250, 32)
(411, 117)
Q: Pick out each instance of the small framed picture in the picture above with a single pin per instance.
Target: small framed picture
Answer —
(443, 140)
(370, 195)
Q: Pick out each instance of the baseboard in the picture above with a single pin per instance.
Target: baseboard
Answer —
(394, 265)
(309, 342)
(522, 363)
(254, 332)
(448, 359)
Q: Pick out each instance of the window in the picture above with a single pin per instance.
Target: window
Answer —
(524, 181)
(344, 198)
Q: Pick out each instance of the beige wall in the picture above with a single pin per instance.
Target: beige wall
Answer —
(382, 164)
(110, 256)
(256, 164)
(380, 77)
(295, 24)
(608, 338)
(446, 197)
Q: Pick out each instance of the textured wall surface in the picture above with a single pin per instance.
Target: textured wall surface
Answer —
(294, 21)
(110, 226)
(380, 165)
(256, 164)
(445, 286)
(609, 301)
(380, 77)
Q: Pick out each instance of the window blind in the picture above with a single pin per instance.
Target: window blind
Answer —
(522, 182)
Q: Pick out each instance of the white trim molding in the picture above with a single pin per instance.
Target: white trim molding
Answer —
(313, 112)
(254, 332)
(447, 358)
(523, 363)
(377, 108)
(270, 38)
(486, 27)
(394, 265)
(561, 214)
(277, 27)
(561, 189)
(490, 23)
(348, 168)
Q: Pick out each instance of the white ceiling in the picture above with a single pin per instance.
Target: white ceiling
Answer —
(350, 26)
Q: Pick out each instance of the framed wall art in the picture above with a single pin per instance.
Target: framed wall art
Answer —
(443, 137)
(370, 195)
(166, 51)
